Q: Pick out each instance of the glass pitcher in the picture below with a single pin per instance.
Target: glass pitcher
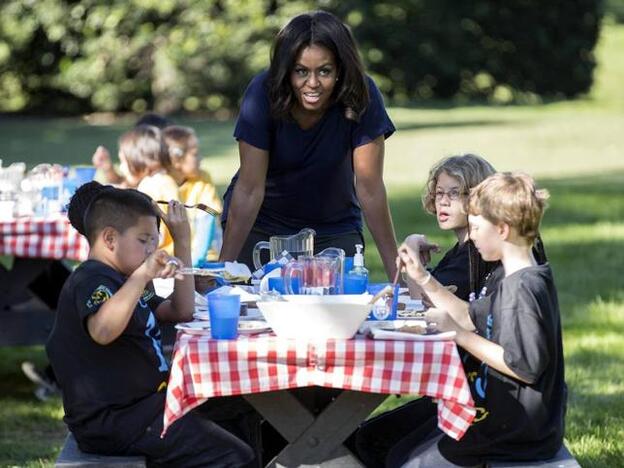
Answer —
(298, 244)
(339, 255)
(318, 275)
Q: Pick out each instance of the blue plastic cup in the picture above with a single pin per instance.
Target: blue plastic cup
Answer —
(224, 310)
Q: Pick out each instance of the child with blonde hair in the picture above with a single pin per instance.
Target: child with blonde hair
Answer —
(514, 332)
(195, 186)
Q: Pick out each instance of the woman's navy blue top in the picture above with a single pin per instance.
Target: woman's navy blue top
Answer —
(310, 180)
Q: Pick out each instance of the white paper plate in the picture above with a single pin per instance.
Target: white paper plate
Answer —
(252, 314)
(246, 327)
(251, 327)
(379, 334)
(194, 328)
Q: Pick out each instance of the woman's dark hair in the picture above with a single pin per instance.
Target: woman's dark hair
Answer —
(95, 206)
(322, 29)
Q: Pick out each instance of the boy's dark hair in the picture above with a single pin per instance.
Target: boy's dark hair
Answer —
(156, 120)
(322, 29)
(95, 206)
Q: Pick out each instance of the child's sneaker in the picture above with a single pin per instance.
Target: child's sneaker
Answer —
(46, 388)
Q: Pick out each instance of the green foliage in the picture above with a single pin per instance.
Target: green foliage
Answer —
(615, 9)
(72, 56)
(503, 51)
(115, 55)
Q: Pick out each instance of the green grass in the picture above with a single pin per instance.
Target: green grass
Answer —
(572, 147)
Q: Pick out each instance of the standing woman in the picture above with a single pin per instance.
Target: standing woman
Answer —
(311, 134)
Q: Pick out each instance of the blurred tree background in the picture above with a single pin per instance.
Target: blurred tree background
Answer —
(76, 56)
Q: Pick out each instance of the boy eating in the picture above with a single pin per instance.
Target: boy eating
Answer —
(105, 346)
(515, 333)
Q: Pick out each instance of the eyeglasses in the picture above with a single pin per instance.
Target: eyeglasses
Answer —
(454, 194)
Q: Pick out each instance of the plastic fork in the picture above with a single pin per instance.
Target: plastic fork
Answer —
(199, 206)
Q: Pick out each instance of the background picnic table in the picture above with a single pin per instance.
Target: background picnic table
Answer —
(574, 147)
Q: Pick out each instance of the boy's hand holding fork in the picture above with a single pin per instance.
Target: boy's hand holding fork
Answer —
(182, 299)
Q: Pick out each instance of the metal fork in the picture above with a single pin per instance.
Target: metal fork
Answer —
(199, 206)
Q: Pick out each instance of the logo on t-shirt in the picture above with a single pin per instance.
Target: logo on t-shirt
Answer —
(98, 296)
(145, 297)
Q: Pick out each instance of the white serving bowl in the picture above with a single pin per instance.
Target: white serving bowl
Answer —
(316, 317)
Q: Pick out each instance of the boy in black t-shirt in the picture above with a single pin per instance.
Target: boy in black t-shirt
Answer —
(105, 345)
(519, 389)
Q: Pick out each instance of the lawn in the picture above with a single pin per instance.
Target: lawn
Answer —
(574, 148)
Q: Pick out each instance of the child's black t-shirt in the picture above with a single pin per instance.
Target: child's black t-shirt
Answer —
(454, 268)
(111, 393)
(517, 421)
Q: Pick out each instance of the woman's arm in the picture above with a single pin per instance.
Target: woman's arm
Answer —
(247, 198)
(371, 193)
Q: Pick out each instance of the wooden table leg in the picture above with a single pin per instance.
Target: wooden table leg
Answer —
(315, 441)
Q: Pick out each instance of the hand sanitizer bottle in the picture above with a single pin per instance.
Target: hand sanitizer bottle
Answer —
(356, 280)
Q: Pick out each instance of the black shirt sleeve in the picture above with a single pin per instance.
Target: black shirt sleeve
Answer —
(90, 294)
(522, 333)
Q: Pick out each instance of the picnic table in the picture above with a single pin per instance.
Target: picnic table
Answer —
(265, 369)
(36, 244)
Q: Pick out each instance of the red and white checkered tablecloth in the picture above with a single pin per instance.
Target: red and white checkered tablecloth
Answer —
(203, 368)
(42, 237)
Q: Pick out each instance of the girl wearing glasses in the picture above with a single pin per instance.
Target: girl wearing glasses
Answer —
(380, 440)
(445, 196)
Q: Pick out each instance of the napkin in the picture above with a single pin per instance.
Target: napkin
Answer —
(236, 272)
(200, 301)
(245, 296)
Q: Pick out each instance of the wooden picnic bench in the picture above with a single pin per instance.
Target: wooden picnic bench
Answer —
(563, 459)
(72, 456)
